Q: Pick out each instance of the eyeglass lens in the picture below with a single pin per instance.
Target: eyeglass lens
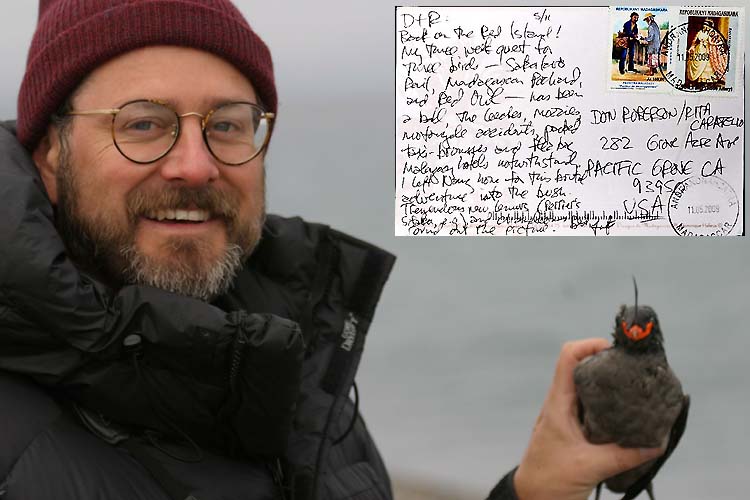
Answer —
(144, 131)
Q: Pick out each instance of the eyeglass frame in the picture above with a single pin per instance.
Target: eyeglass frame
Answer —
(204, 120)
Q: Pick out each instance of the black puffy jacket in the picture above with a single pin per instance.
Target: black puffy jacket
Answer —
(142, 394)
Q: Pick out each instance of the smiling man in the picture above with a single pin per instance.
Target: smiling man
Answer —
(185, 188)
(181, 344)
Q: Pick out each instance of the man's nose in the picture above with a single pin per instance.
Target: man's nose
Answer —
(190, 162)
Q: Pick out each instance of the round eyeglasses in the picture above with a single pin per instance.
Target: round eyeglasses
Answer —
(145, 131)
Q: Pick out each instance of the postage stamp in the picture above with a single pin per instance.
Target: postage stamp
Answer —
(704, 50)
(637, 62)
(699, 49)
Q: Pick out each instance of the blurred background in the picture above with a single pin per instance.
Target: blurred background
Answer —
(463, 347)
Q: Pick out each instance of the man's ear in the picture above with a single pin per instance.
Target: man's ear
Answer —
(47, 156)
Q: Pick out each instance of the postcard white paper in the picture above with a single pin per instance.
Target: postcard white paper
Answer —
(627, 120)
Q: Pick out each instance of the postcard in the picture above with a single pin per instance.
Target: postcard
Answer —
(598, 121)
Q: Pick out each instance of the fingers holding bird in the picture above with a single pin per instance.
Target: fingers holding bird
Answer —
(559, 462)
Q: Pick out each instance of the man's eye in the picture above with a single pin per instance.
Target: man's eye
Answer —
(224, 127)
(143, 126)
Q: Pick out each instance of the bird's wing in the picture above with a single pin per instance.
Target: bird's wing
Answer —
(675, 435)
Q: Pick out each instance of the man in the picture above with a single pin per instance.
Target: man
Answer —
(174, 342)
(629, 31)
(653, 42)
(147, 122)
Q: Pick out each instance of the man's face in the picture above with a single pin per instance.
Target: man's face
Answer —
(634, 19)
(124, 220)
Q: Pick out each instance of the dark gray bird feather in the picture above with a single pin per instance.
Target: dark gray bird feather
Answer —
(629, 395)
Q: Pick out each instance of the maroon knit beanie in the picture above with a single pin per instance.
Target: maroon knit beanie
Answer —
(74, 37)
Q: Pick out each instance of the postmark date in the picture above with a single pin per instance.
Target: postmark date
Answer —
(703, 209)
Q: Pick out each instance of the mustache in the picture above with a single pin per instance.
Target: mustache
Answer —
(216, 202)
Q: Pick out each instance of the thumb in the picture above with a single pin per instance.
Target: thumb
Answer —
(611, 459)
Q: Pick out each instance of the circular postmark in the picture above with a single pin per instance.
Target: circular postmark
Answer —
(697, 56)
(703, 206)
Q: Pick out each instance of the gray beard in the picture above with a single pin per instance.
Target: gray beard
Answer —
(107, 252)
(180, 277)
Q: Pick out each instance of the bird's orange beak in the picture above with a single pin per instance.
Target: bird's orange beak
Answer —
(637, 333)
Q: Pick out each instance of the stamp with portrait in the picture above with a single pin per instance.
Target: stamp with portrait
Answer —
(702, 51)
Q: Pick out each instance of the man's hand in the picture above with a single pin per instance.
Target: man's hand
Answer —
(559, 464)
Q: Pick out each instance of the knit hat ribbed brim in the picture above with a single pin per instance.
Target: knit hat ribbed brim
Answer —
(74, 37)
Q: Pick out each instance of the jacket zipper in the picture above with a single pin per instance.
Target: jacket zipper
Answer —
(237, 352)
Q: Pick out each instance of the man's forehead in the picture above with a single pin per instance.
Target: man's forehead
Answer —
(177, 76)
(204, 102)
